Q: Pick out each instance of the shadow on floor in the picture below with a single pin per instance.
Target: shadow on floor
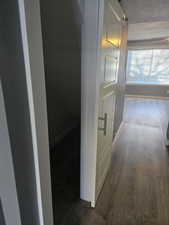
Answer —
(65, 173)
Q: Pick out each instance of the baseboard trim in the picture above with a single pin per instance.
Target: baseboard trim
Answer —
(148, 97)
(117, 134)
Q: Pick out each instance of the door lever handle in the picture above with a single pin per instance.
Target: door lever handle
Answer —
(104, 129)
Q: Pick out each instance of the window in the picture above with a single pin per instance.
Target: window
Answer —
(148, 66)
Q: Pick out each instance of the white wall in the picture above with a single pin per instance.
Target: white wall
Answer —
(149, 31)
(146, 11)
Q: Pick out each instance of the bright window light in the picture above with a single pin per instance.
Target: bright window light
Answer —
(148, 66)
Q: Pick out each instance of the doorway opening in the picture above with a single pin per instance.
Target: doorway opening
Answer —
(61, 34)
(147, 80)
(61, 40)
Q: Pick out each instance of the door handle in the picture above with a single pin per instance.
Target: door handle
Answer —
(104, 129)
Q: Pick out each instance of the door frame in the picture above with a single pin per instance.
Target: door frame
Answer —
(30, 25)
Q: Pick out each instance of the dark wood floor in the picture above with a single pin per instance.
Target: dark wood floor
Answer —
(136, 191)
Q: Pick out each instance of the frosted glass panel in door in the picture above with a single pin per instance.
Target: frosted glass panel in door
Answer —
(110, 69)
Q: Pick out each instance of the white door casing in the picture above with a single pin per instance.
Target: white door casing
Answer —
(30, 24)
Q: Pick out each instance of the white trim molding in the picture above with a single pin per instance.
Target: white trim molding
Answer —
(148, 97)
(33, 56)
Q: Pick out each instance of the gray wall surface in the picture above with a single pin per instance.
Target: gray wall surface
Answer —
(9, 207)
(148, 90)
(12, 72)
(62, 57)
(2, 218)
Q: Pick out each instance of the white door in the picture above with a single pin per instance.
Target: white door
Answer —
(9, 208)
(103, 22)
(110, 56)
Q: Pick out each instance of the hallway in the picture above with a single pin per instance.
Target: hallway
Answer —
(136, 190)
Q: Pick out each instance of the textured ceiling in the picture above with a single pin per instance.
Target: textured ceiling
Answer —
(140, 11)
